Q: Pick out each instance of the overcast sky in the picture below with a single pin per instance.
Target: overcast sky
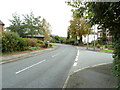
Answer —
(56, 12)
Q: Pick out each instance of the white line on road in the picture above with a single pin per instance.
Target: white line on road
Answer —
(54, 55)
(29, 67)
(75, 64)
(76, 59)
(101, 64)
(92, 66)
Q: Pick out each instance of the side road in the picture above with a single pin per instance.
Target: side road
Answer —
(92, 77)
(11, 58)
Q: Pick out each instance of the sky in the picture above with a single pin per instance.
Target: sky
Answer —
(56, 12)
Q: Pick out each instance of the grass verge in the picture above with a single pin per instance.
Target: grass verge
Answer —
(101, 50)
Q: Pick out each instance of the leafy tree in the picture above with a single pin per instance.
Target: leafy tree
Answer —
(107, 15)
(16, 25)
(46, 29)
(32, 24)
(78, 27)
(29, 25)
(57, 39)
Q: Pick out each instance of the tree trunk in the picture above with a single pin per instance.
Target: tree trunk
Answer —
(80, 40)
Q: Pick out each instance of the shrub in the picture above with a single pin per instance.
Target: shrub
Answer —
(12, 42)
(98, 45)
(106, 46)
(40, 42)
(50, 45)
(22, 45)
(31, 41)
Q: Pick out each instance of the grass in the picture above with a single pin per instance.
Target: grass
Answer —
(102, 50)
(7, 53)
(18, 52)
(54, 45)
(33, 48)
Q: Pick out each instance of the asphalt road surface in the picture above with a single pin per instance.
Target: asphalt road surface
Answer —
(49, 70)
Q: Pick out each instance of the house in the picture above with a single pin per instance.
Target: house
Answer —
(107, 34)
(39, 37)
(1, 26)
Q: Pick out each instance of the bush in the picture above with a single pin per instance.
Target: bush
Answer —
(12, 42)
(31, 41)
(106, 46)
(40, 42)
(50, 45)
(98, 45)
(33, 48)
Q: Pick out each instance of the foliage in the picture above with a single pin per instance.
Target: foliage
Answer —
(17, 25)
(57, 39)
(12, 42)
(46, 30)
(71, 41)
(33, 48)
(50, 45)
(40, 42)
(62, 39)
(46, 44)
(30, 25)
(78, 28)
(31, 41)
(98, 45)
(107, 16)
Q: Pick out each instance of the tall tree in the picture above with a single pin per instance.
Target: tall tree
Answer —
(107, 15)
(32, 24)
(16, 25)
(46, 29)
(78, 28)
(29, 25)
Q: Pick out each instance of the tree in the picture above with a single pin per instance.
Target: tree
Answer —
(29, 25)
(46, 29)
(106, 15)
(78, 28)
(16, 25)
(32, 24)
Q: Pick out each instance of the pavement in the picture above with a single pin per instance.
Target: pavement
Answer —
(92, 77)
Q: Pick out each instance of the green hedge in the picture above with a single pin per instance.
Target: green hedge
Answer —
(12, 42)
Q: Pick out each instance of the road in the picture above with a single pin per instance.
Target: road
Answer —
(49, 70)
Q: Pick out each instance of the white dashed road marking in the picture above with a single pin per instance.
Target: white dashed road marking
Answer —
(76, 59)
(75, 64)
(54, 55)
(29, 67)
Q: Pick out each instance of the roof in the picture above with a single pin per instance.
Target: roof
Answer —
(35, 36)
(1, 23)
